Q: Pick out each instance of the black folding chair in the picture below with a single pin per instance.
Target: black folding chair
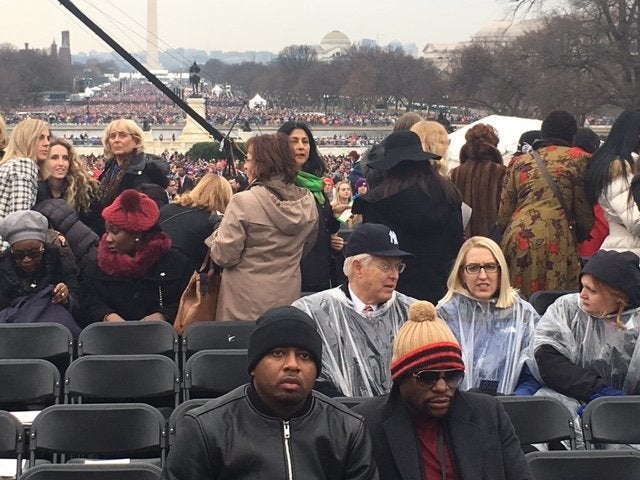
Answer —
(215, 336)
(47, 341)
(585, 464)
(129, 338)
(28, 384)
(11, 439)
(98, 431)
(541, 300)
(178, 414)
(611, 420)
(212, 373)
(153, 379)
(75, 471)
(540, 419)
(351, 402)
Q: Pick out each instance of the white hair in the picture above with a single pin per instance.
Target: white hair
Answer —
(347, 268)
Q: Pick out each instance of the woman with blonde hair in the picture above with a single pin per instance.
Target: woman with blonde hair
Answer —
(493, 324)
(66, 177)
(187, 219)
(127, 166)
(28, 147)
(434, 139)
(3, 136)
(342, 202)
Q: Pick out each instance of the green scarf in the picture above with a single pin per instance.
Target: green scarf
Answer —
(312, 183)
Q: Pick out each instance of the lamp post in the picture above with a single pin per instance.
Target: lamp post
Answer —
(325, 98)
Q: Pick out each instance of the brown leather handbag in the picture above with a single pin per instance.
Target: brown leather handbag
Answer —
(199, 300)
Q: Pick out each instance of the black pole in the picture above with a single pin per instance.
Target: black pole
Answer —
(215, 133)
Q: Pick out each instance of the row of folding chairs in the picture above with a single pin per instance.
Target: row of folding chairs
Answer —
(585, 464)
(54, 342)
(27, 384)
(538, 420)
(130, 432)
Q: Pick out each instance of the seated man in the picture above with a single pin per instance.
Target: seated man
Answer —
(426, 428)
(275, 427)
(359, 319)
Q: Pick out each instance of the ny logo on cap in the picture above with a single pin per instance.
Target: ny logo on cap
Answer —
(392, 237)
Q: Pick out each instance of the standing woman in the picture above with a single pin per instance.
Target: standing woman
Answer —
(67, 178)
(343, 202)
(28, 147)
(422, 207)
(317, 265)
(264, 233)
(127, 166)
(479, 178)
(187, 219)
(608, 180)
(538, 243)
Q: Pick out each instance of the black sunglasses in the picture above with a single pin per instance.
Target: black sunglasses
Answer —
(22, 254)
(429, 378)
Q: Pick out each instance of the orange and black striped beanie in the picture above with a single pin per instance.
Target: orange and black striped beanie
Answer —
(424, 342)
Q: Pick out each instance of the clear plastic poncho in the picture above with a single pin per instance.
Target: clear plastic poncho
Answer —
(494, 341)
(592, 342)
(356, 350)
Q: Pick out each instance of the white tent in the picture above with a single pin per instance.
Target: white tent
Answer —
(509, 130)
(257, 101)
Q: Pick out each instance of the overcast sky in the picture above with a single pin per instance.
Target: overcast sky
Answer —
(248, 24)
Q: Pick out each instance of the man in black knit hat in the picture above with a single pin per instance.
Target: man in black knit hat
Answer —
(276, 426)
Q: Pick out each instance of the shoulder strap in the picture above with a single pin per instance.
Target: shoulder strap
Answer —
(554, 188)
(176, 215)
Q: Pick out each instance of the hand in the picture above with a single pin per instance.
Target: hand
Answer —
(337, 242)
(113, 317)
(154, 316)
(60, 294)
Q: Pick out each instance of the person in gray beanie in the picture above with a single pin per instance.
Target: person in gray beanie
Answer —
(276, 426)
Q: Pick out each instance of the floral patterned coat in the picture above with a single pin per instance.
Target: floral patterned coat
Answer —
(539, 246)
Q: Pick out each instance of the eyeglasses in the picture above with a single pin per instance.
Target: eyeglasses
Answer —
(474, 268)
(32, 254)
(386, 267)
(429, 378)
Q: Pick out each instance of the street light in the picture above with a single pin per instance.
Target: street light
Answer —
(325, 98)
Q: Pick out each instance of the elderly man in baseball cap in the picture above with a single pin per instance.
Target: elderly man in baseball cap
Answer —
(358, 320)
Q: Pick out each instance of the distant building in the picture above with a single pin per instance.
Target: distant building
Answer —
(54, 49)
(440, 53)
(64, 53)
(334, 44)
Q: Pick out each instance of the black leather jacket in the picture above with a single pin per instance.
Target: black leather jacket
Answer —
(233, 437)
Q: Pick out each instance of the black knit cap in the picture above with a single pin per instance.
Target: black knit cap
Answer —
(621, 270)
(284, 327)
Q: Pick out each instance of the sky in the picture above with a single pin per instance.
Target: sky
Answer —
(247, 24)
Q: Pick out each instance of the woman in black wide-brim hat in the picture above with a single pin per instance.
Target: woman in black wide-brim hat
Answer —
(422, 207)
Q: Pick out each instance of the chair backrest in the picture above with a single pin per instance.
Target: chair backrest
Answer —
(541, 299)
(75, 471)
(216, 336)
(48, 341)
(11, 439)
(153, 379)
(178, 414)
(129, 338)
(351, 402)
(133, 430)
(612, 420)
(585, 464)
(27, 383)
(527, 414)
(211, 373)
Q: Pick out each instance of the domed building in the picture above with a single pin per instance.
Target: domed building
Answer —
(333, 44)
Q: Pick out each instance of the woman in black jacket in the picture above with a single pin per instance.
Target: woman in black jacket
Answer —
(137, 276)
(422, 207)
(318, 265)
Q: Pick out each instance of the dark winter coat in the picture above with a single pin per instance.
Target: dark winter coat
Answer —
(134, 298)
(427, 226)
(317, 264)
(188, 228)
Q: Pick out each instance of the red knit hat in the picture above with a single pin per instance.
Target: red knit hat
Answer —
(424, 342)
(132, 211)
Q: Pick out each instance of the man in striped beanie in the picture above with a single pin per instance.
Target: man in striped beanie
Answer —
(426, 428)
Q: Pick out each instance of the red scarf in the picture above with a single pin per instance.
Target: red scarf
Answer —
(153, 249)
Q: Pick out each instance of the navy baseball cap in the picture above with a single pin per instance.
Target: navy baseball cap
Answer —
(374, 239)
